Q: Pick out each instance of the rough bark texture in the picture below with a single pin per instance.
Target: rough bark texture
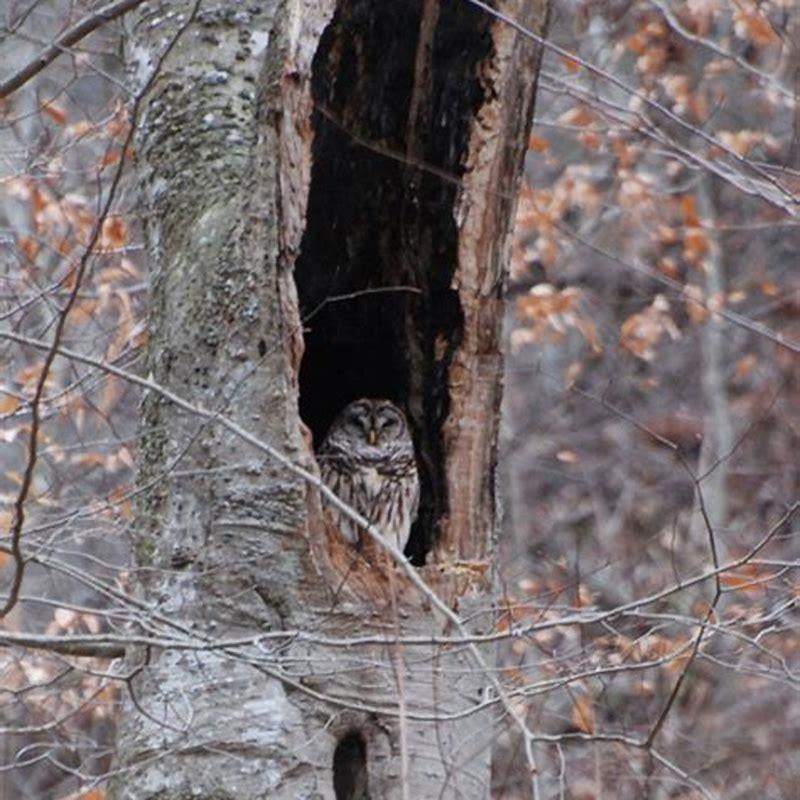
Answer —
(413, 182)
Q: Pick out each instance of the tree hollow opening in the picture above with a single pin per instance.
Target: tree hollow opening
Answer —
(350, 768)
(396, 89)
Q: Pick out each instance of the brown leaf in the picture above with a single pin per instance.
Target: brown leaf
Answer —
(641, 332)
(741, 142)
(570, 63)
(751, 25)
(744, 366)
(579, 116)
(118, 126)
(695, 308)
(669, 266)
(81, 128)
(90, 460)
(637, 43)
(688, 207)
(8, 403)
(537, 144)
(591, 140)
(29, 247)
(573, 372)
(55, 112)
(583, 716)
(742, 583)
(98, 793)
(770, 289)
(695, 244)
(111, 157)
(38, 199)
(114, 234)
(666, 235)
(64, 617)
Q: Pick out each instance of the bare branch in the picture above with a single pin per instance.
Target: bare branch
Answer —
(70, 37)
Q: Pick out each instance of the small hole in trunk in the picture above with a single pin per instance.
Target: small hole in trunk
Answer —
(350, 768)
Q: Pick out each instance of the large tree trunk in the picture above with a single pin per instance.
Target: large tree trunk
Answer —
(291, 153)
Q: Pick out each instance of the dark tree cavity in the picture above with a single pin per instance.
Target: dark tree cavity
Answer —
(350, 768)
(396, 87)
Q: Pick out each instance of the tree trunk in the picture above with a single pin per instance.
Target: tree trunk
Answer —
(365, 154)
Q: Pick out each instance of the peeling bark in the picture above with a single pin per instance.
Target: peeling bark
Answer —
(279, 170)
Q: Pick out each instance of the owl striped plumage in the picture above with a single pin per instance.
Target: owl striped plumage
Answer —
(367, 459)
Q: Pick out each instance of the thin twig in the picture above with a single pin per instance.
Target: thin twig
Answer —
(70, 37)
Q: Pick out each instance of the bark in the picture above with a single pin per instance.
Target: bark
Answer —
(290, 153)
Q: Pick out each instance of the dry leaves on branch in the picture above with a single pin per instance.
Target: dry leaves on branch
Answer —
(641, 332)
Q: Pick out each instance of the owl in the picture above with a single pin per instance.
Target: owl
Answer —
(367, 459)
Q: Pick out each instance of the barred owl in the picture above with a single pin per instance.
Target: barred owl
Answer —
(367, 459)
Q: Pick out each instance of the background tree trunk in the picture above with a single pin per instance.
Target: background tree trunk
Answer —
(290, 154)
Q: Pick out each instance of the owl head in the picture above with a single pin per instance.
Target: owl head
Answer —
(376, 423)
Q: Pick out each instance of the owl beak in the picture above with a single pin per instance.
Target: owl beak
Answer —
(372, 436)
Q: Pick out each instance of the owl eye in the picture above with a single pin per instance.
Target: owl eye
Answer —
(357, 418)
(389, 422)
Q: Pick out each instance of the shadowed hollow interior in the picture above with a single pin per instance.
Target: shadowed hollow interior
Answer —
(391, 124)
(350, 767)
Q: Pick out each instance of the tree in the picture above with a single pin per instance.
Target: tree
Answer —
(352, 169)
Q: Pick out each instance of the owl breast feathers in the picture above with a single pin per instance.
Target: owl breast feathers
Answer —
(367, 460)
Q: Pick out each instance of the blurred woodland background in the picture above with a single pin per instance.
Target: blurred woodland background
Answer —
(649, 462)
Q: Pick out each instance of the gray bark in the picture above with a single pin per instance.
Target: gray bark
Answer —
(234, 544)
